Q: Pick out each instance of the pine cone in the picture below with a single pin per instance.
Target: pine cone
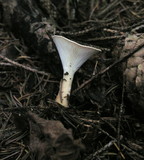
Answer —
(133, 71)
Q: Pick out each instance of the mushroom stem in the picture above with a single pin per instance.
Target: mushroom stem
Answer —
(73, 56)
(65, 89)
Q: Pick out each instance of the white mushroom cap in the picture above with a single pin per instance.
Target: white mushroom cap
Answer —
(71, 53)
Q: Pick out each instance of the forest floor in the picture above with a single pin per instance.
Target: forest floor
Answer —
(100, 115)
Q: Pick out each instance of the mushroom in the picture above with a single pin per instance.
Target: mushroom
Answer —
(72, 56)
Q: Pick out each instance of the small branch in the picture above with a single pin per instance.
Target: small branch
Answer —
(107, 146)
(23, 66)
(121, 110)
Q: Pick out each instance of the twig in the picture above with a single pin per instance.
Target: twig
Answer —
(108, 8)
(120, 115)
(132, 151)
(108, 145)
(23, 66)
(5, 64)
(106, 38)
(86, 30)
(108, 68)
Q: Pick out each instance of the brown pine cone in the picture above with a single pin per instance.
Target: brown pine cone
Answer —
(133, 71)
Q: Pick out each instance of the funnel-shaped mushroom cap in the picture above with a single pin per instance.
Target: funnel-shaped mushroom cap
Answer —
(72, 54)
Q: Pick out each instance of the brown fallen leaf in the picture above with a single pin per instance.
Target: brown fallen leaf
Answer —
(49, 139)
